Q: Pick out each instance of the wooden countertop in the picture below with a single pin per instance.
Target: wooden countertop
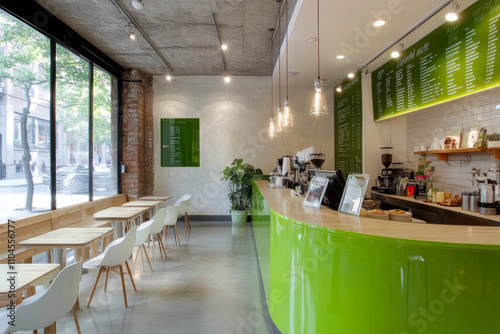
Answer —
(457, 209)
(283, 202)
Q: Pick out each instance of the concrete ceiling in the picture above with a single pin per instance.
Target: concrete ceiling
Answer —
(184, 33)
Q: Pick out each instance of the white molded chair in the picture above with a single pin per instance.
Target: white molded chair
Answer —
(171, 220)
(184, 204)
(141, 237)
(156, 227)
(117, 252)
(45, 308)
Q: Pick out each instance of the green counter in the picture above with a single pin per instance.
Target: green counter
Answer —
(320, 280)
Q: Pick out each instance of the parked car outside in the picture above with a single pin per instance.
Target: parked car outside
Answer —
(75, 179)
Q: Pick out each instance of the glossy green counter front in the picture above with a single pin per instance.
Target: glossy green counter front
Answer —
(321, 279)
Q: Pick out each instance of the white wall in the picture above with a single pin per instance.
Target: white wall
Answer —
(234, 120)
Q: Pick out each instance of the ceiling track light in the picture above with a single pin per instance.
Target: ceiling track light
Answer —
(398, 52)
(138, 4)
(453, 13)
(131, 19)
(226, 78)
(419, 24)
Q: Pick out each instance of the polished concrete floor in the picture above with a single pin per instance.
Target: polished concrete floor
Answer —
(209, 285)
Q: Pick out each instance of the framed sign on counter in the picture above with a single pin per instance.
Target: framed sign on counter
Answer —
(315, 192)
(180, 142)
(354, 193)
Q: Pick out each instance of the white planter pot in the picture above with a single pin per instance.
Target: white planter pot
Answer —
(239, 216)
(494, 144)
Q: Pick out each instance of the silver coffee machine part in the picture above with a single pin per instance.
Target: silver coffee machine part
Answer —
(487, 198)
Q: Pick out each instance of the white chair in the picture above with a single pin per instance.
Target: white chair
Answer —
(156, 227)
(141, 237)
(184, 204)
(45, 308)
(171, 220)
(117, 252)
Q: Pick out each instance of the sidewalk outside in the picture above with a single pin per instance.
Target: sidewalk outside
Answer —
(19, 182)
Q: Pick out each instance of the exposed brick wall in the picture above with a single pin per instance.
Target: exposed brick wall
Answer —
(149, 137)
(134, 140)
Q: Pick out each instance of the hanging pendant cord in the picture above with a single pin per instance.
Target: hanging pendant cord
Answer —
(279, 55)
(286, 33)
(272, 91)
(318, 39)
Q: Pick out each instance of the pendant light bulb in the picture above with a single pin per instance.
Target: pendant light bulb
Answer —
(271, 127)
(319, 106)
(279, 126)
(287, 115)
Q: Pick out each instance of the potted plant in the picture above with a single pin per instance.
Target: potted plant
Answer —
(493, 140)
(239, 179)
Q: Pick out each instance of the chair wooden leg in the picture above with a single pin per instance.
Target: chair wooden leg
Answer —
(188, 224)
(52, 329)
(147, 257)
(77, 324)
(106, 282)
(130, 274)
(95, 284)
(123, 285)
(177, 234)
(162, 247)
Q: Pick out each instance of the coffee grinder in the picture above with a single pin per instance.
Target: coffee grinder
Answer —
(386, 180)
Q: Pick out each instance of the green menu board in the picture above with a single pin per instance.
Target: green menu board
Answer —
(348, 126)
(456, 59)
(180, 142)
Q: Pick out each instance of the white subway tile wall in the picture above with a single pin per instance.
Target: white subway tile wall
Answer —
(425, 126)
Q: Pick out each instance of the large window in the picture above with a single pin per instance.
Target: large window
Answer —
(86, 130)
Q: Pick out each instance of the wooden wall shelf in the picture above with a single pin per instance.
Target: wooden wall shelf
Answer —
(443, 154)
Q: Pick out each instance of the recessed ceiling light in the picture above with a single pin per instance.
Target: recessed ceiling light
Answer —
(340, 57)
(350, 75)
(378, 23)
(339, 89)
(223, 46)
(312, 39)
(227, 79)
(132, 36)
(168, 77)
(395, 54)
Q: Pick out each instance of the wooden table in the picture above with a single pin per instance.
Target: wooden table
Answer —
(152, 205)
(155, 198)
(69, 237)
(26, 275)
(118, 214)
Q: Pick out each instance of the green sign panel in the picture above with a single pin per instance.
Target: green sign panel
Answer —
(455, 60)
(180, 142)
(348, 126)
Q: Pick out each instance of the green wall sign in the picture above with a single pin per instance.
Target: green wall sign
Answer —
(180, 142)
(455, 60)
(348, 127)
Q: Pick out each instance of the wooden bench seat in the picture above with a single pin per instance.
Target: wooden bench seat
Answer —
(78, 215)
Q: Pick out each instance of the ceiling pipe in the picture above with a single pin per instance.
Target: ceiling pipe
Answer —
(118, 4)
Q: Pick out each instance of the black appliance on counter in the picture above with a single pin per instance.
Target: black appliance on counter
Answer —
(388, 181)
